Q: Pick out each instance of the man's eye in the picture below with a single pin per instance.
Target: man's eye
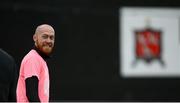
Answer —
(44, 36)
(52, 37)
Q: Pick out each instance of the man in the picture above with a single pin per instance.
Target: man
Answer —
(33, 82)
(8, 77)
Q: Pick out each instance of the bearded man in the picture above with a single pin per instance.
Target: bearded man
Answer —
(33, 82)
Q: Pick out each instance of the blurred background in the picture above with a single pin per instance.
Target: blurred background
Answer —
(86, 58)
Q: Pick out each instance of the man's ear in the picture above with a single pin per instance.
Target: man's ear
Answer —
(34, 37)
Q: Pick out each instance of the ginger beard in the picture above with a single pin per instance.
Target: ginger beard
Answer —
(44, 47)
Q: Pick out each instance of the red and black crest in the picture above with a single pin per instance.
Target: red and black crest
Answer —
(148, 44)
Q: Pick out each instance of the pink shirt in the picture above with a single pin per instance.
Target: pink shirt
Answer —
(33, 65)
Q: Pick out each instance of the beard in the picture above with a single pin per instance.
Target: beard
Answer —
(45, 48)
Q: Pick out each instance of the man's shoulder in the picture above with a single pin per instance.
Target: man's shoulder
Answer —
(31, 56)
(5, 56)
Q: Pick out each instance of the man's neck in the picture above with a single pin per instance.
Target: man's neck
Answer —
(44, 56)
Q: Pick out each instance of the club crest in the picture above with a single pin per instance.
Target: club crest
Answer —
(148, 45)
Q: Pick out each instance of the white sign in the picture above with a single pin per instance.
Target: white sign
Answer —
(149, 42)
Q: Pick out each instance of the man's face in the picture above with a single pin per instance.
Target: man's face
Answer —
(44, 39)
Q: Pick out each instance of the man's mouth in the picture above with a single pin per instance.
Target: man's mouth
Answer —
(48, 45)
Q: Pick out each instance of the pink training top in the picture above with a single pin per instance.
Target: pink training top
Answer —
(33, 65)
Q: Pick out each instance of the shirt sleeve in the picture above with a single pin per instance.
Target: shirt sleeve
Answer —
(32, 89)
(31, 68)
